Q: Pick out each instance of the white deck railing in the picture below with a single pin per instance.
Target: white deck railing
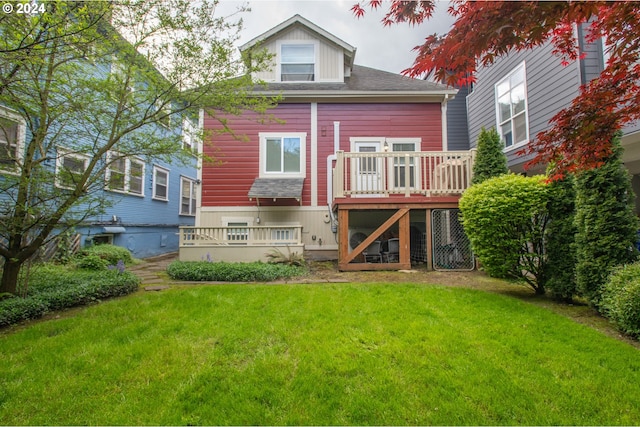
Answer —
(402, 173)
(241, 236)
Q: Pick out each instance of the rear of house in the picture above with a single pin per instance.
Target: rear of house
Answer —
(358, 158)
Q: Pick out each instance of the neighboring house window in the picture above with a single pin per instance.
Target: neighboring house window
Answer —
(297, 62)
(511, 108)
(189, 135)
(125, 175)
(282, 154)
(187, 196)
(12, 135)
(160, 183)
(69, 168)
(164, 113)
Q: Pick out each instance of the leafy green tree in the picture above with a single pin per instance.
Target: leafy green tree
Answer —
(606, 224)
(106, 81)
(560, 239)
(505, 218)
(490, 159)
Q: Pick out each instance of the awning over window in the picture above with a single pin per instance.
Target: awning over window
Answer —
(113, 230)
(277, 188)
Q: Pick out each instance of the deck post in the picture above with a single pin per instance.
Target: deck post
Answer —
(429, 241)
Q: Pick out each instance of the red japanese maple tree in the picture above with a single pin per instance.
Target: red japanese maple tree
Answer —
(579, 136)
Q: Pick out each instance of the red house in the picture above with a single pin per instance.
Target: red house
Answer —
(357, 168)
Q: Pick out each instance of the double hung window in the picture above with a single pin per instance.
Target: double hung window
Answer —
(511, 108)
(125, 175)
(12, 136)
(297, 62)
(69, 168)
(160, 183)
(187, 196)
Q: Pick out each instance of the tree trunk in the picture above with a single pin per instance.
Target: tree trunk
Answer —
(10, 273)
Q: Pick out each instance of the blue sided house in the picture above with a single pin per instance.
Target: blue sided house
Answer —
(108, 136)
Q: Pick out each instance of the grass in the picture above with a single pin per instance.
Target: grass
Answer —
(392, 354)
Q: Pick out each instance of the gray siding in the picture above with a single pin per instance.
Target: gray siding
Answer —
(457, 127)
(550, 87)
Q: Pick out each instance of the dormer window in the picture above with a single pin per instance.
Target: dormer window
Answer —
(297, 62)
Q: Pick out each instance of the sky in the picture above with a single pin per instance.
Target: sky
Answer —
(384, 48)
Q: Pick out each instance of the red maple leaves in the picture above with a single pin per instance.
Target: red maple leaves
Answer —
(579, 136)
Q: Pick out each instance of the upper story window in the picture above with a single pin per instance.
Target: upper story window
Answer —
(12, 135)
(69, 168)
(125, 175)
(282, 154)
(511, 108)
(189, 135)
(297, 62)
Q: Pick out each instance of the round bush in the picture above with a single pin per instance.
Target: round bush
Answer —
(92, 262)
(111, 253)
(621, 298)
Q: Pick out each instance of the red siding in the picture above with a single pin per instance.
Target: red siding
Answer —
(228, 183)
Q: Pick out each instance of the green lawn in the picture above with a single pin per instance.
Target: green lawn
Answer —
(385, 354)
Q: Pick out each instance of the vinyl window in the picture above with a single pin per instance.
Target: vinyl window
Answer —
(511, 108)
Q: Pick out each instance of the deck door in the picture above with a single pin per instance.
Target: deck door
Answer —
(368, 171)
(401, 164)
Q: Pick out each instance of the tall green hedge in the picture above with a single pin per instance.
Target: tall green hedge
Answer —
(505, 219)
(560, 239)
(606, 224)
(490, 159)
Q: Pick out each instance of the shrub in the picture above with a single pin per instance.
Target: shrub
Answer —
(490, 158)
(621, 298)
(92, 262)
(560, 239)
(52, 288)
(606, 224)
(505, 219)
(111, 253)
(230, 271)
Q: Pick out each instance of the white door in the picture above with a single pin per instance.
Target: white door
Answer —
(367, 171)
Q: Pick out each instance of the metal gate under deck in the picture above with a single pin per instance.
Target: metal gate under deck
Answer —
(451, 247)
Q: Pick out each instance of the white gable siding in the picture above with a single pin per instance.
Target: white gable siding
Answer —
(330, 61)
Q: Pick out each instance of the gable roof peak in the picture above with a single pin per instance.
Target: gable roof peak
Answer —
(297, 19)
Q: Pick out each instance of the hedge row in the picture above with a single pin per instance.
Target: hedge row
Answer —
(55, 288)
(203, 271)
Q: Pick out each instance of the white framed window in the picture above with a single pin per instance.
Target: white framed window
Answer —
(164, 113)
(297, 61)
(125, 175)
(69, 167)
(187, 196)
(12, 140)
(160, 183)
(511, 108)
(189, 135)
(237, 232)
(283, 155)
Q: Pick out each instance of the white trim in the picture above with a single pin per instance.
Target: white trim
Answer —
(194, 196)
(515, 144)
(314, 154)
(263, 136)
(127, 174)
(60, 155)
(445, 133)
(20, 140)
(316, 49)
(154, 183)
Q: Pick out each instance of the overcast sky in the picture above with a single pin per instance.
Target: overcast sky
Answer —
(384, 48)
